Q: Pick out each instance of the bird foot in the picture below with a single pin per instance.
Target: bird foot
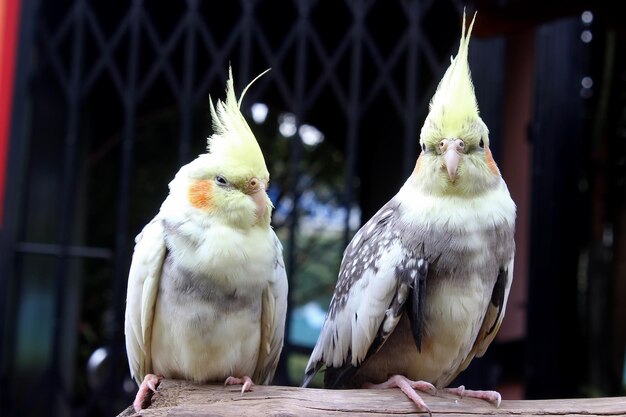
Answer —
(245, 380)
(408, 387)
(493, 397)
(146, 390)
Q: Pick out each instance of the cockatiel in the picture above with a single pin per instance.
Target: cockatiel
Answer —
(423, 285)
(207, 289)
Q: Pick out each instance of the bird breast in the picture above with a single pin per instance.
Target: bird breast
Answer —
(232, 256)
(466, 243)
(455, 304)
(204, 331)
(208, 311)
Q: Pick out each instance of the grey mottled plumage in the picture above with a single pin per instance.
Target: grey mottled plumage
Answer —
(423, 285)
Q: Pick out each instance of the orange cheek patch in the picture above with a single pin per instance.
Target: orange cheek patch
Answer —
(200, 194)
(491, 163)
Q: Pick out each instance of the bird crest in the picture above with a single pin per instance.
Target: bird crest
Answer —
(232, 140)
(454, 102)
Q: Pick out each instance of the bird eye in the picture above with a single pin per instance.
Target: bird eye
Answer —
(221, 180)
(423, 147)
(481, 143)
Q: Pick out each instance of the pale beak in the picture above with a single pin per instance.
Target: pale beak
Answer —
(451, 150)
(256, 190)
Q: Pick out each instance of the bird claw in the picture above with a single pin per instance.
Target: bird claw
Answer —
(493, 397)
(460, 390)
(408, 387)
(153, 383)
(245, 381)
(146, 390)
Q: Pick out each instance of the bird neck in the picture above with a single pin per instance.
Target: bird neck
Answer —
(438, 184)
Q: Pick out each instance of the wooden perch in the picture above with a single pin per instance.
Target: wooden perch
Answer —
(180, 398)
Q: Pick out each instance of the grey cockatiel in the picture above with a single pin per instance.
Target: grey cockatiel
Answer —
(423, 284)
(207, 290)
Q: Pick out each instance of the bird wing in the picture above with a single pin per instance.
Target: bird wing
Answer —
(273, 313)
(143, 286)
(375, 278)
(495, 310)
(494, 315)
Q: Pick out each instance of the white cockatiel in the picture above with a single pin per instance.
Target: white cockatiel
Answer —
(423, 284)
(207, 289)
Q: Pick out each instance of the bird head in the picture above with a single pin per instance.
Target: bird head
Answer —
(455, 156)
(231, 180)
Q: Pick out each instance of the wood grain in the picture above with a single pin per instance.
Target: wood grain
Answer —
(181, 398)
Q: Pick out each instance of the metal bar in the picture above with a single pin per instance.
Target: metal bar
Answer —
(296, 157)
(385, 67)
(52, 55)
(275, 59)
(163, 51)
(246, 40)
(206, 39)
(121, 239)
(67, 203)
(329, 74)
(299, 349)
(354, 110)
(74, 251)
(105, 60)
(412, 11)
(186, 96)
(221, 54)
(553, 338)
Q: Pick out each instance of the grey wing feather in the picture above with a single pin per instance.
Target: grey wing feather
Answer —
(495, 310)
(417, 278)
(494, 315)
(361, 316)
(274, 311)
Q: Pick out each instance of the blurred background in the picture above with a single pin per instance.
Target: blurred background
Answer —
(102, 102)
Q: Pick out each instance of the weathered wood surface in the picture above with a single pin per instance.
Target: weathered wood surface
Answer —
(179, 398)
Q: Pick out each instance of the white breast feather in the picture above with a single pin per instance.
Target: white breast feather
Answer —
(494, 208)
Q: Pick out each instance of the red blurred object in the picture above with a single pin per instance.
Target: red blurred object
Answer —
(9, 23)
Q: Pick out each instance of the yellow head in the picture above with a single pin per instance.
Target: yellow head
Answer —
(231, 180)
(455, 155)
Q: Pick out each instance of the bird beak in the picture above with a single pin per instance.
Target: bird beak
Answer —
(256, 190)
(451, 150)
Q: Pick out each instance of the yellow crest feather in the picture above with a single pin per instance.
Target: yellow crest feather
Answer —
(454, 101)
(232, 140)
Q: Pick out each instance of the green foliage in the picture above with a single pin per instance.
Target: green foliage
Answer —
(296, 364)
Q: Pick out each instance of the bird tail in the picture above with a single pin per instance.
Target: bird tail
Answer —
(310, 373)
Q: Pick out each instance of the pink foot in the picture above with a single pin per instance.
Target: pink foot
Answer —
(408, 387)
(245, 380)
(147, 388)
(493, 397)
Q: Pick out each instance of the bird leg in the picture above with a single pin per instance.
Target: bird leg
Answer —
(408, 387)
(493, 397)
(245, 380)
(146, 390)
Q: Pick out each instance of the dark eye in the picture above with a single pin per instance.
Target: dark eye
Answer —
(423, 147)
(481, 143)
(221, 180)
